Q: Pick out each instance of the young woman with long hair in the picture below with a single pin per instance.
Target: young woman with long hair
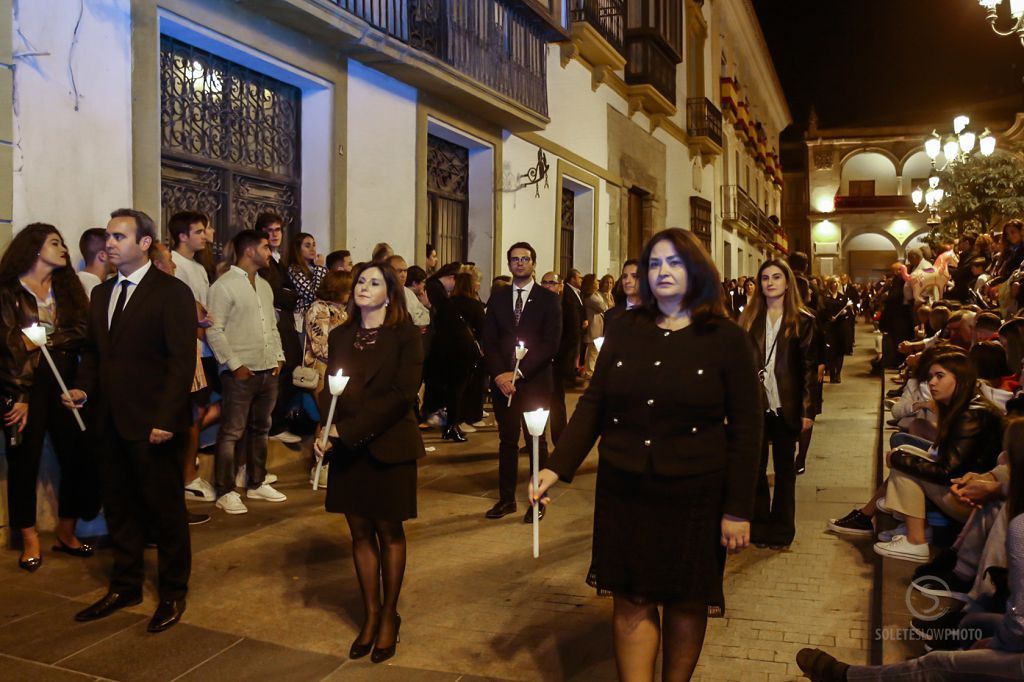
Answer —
(39, 286)
(372, 478)
(787, 355)
(306, 271)
(968, 438)
(674, 402)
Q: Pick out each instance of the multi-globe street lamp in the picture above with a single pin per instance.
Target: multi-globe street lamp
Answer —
(957, 149)
(1016, 14)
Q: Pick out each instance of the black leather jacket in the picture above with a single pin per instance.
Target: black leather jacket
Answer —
(18, 364)
(796, 368)
(973, 444)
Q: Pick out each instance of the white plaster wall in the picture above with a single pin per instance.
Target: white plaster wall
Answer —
(381, 158)
(917, 166)
(579, 116)
(525, 216)
(870, 166)
(71, 168)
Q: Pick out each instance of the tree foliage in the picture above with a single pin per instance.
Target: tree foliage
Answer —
(980, 194)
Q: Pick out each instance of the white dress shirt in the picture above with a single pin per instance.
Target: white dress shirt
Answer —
(193, 274)
(133, 280)
(526, 289)
(89, 282)
(244, 329)
(771, 385)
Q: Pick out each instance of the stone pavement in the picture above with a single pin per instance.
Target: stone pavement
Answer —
(274, 595)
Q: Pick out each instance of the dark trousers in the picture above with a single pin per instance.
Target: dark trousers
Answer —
(510, 426)
(473, 397)
(78, 494)
(834, 357)
(292, 347)
(774, 513)
(142, 486)
(559, 415)
(244, 426)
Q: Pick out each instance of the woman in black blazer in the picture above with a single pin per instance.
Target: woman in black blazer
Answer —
(372, 477)
(787, 362)
(674, 401)
(38, 285)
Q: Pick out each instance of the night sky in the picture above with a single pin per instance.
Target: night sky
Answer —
(892, 62)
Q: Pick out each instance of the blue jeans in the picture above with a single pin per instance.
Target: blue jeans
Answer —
(244, 426)
(899, 438)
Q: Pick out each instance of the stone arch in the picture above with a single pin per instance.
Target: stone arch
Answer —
(873, 150)
(915, 234)
(896, 244)
(911, 153)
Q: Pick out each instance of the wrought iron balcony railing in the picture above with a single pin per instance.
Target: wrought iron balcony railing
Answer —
(703, 119)
(737, 206)
(876, 203)
(492, 41)
(607, 16)
(647, 64)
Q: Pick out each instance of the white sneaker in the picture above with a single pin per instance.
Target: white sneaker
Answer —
(901, 548)
(241, 481)
(467, 428)
(482, 424)
(438, 419)
(200, 490)
(888, 535)
(286, 437)
(265, 492)
(231, 503)
(323, 476)
(429, 448)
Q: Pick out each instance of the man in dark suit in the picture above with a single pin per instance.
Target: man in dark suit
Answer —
(531, 314)
(568, 348)
(136, 372)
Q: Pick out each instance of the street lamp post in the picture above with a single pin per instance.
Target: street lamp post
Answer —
(1016, 14)
(957, 149)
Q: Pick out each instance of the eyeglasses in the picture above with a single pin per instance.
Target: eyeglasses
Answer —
(549, 282)
(519, 259)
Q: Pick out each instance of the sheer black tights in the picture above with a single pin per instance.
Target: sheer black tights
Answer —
(378, 550)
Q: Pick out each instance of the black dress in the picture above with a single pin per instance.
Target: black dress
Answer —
(679, 419)
(358, 483)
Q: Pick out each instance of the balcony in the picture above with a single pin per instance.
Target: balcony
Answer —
(499, 44)
(885, 202)
(651, 76)
(704, 128)
(700, 220)
(597, 31)
(740, 210)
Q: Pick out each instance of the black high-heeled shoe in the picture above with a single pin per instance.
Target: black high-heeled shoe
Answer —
(454, 433)
(381, 654)
(30, 564)
(358, 650)
(84, 552)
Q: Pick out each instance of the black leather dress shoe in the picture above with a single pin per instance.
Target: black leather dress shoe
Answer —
(454, 433)
(528, 518)
(83, 550)
(111, 602)
(501, 509)
(167, 614)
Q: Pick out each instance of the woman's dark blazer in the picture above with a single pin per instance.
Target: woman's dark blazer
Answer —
(973, 443)
(674, 404)
(17, 363)
(796, 368)
(377, 412)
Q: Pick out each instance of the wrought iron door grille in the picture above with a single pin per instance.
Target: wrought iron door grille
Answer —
(567, 231)
(448, 199)
(230, 140)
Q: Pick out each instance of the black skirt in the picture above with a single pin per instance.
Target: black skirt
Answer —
(657, 539)
(361, 485)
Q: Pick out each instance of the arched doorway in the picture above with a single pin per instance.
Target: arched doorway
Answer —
(868, 256)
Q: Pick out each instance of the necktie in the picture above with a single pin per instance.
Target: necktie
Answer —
(122, 298)
(519, 305)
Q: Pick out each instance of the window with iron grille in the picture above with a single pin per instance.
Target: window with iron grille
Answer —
(448, 199)
(229, 141)
(700, 220)
(567, 232)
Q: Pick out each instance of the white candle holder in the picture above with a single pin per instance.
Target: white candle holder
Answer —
(37, 335)
(336, 384)
(535, 423)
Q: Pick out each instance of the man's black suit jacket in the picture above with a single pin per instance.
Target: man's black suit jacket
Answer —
(540, 330)
(572, 332)
(142, 375)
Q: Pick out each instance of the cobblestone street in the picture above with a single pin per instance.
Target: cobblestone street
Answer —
(274, 596)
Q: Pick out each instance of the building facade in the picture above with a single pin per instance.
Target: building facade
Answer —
(849, 204)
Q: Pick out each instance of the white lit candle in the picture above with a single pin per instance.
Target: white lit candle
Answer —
(520, 352)
(37, 335)
(598, 342)
(336, 383)
(535, 423)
